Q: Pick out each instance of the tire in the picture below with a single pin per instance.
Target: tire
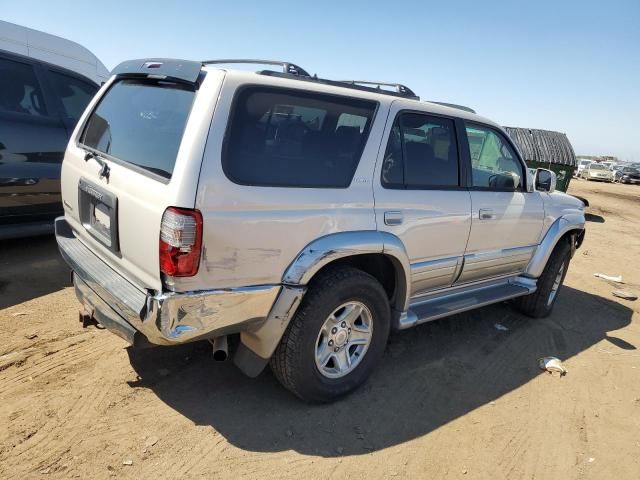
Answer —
(294, 362)
(540, 303)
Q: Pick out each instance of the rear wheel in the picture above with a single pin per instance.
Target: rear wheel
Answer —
(540, 303)
(336, 337)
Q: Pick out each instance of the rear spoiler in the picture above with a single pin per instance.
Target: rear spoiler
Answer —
(184, 71)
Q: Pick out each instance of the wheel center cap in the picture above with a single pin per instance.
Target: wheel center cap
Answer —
(341, 338)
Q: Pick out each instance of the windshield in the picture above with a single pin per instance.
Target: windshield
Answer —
(141, 122)
(596, 166)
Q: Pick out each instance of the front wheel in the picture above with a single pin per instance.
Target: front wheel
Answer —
(336, 337)
(540, 303)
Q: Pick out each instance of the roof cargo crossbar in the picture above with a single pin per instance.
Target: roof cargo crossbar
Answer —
(400, 89)
(287, 67)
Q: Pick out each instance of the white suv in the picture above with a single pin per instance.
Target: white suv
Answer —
(306, 217)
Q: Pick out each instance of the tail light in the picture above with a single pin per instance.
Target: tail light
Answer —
(180, 242)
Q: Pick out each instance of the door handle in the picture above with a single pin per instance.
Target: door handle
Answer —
(393, 218)
(486, 214)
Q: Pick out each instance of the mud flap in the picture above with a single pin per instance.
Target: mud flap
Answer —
(257, 346)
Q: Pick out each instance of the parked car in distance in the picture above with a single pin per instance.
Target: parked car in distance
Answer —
(305, 217)
(582, 165)
(598, 171)
(45, 84)
(627, 175)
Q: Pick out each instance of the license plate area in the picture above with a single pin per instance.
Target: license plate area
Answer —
(98, 211)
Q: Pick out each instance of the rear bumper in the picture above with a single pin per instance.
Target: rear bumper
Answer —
(162, 318)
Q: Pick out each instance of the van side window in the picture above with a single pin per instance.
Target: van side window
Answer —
(19, 89)
(288, 138)
(74, 93)
(421, 153)
(494, 164)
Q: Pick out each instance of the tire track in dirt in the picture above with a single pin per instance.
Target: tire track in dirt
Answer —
(48, 362)
(58, 435)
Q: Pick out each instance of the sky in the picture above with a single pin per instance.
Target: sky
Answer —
(564, 65)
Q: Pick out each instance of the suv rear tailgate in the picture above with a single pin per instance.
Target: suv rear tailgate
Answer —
(148, 134)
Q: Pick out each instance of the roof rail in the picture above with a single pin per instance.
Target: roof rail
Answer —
(287, 67)
(453, 105)
(401, 90)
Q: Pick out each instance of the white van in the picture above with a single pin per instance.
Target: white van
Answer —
(52, 49)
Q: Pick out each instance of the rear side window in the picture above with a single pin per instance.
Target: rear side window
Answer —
(421, 153)
(19, 89)
(141, 122)
(285, 138)
(74, 93)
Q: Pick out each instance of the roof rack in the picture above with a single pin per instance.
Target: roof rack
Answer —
(453, 105)
(401, 90)
(287, 67)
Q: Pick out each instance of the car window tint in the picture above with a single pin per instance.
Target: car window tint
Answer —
(141, 122)
(421, 152)
(279, 137)
(73, 93)
(19, 89)
(493, 162)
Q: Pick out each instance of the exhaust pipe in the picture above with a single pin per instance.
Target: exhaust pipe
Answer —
(220, 348)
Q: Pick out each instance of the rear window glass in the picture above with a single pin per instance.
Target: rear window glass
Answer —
(286, 138)
(141, 122)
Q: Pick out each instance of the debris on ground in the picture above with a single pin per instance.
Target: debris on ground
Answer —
(617, 279)
(127, 462)
(552, 364)
(30, 335)
(626, 294)
(151, 441)
(19, 314)
(500, 327)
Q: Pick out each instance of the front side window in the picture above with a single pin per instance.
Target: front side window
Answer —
(141, 122)
(287, 138)
(494, 164)
(73, 93)
(421, 153)
(19, 89)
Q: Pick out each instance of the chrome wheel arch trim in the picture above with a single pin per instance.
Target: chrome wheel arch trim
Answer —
(563, 225)
(335, 246)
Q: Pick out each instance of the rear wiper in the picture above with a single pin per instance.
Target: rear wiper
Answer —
(104, 170)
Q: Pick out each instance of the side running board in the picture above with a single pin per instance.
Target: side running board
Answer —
(443, 304)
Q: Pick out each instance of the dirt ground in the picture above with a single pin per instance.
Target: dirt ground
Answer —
(456, 398)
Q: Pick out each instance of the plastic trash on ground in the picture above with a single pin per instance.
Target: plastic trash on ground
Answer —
(617, 279)
(552, 364)
(626, 294)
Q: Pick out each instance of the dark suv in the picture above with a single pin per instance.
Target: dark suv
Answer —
(39, 106)
(628, 174)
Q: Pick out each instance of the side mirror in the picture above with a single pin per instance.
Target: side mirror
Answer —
(545, 180)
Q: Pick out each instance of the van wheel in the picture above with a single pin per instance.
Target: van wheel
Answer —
(540, 303)
(336, 337)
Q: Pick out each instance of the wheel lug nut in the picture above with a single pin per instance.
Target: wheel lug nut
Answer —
(344, 324)
(334, 330)
(331, 343)
(336, 349)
